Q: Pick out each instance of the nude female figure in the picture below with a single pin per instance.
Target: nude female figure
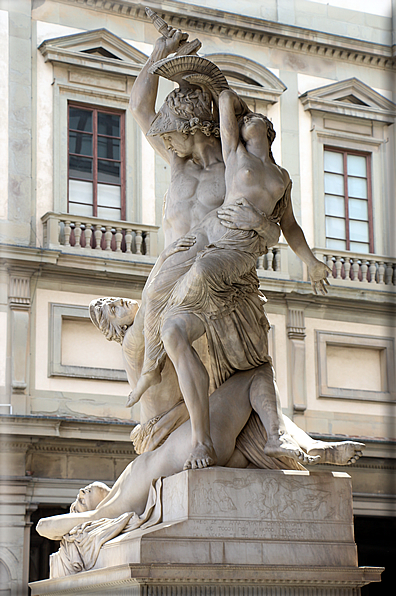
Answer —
(216, 274)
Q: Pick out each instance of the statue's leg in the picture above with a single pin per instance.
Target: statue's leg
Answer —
(178, 335)
(237, 460)
(264, 398)
(229, 412)
(340, 453)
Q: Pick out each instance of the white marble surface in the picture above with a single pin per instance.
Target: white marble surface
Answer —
(229, 530)
(230, 516)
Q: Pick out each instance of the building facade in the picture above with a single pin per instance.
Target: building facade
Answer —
(80, 217)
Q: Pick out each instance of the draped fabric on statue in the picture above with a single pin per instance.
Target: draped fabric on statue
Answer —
(79, 549)
(251, 442)
(221, 288)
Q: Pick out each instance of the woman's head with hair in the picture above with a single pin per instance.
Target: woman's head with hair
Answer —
(271, 134)
(113, 316)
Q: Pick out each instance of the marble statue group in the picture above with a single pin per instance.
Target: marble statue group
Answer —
(196, 349)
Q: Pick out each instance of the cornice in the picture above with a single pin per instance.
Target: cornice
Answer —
(70, 50)
(109, 449)
(102, 64)
(57, 431)
(331, 99)
(135, 267)
(75, 266)
(228, 25)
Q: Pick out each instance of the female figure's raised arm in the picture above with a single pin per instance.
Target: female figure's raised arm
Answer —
(145, 88)
(230, 106)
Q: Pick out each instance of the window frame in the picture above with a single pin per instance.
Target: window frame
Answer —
(105, 110)
(345, 152)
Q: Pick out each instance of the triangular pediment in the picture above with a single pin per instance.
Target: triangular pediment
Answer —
(350, 98)
(94, 49)
(249, 78)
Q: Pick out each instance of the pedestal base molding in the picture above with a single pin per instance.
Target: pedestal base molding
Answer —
(212, 580)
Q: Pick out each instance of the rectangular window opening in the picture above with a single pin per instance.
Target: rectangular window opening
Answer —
(96, 162)
(348, 201)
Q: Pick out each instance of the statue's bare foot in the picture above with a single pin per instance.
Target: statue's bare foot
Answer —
(342, 453)
(147, 380)
(285, 446)
(202, 456)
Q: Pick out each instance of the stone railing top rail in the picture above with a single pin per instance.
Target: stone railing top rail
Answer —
(116, 223)
(92, 233)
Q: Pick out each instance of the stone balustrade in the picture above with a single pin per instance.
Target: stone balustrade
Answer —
(361, 268)
(274, 263)
(122, 238)
(91, 234)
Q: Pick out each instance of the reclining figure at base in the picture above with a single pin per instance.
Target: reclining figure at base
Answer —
(237, 435)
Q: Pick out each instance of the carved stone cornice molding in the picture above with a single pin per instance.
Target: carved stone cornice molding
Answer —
(107, 449)
(251, 29)
(14, 446)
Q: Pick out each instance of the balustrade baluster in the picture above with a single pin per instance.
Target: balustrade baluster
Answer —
(364, 269)
(108, 237)
(118, 238)
(98, 236)
(355, 268)
(128, 240)
(338, 266)
(260, 262)
(277, 259)
(139, 240)
(389, 274)
(270, 259)
(381, 272)
(330, 263)
(67, 232)
(77, 234)
(147, 243)
(373, 271)
(347, 268)
(88, 234)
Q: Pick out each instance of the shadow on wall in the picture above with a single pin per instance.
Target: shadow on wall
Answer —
(41, 548)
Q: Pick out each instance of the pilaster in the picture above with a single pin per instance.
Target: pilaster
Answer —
(19, 303)
(296, 334)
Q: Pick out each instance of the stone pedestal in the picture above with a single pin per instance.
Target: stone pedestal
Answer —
(227, 531)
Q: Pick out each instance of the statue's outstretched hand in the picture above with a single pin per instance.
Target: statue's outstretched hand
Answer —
(244, 216)
(170, 44)
(318, 273)
(183, 243)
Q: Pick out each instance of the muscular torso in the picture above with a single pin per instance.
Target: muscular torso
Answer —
(193, 192)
